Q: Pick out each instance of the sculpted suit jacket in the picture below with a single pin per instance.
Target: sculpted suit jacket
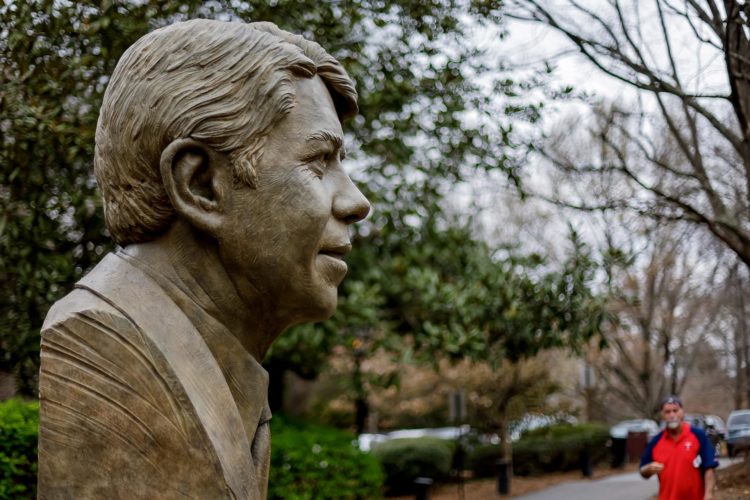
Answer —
(138, 382)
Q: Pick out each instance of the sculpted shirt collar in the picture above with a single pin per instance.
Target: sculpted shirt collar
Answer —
(246, 378)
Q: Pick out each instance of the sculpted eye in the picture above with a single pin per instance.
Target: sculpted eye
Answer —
(317, 165)
(318, 161)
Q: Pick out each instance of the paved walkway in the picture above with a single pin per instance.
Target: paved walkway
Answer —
(629, 486)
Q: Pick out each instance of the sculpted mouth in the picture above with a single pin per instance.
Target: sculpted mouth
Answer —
(337, 252)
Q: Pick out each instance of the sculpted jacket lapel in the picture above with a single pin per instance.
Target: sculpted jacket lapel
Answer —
(193, 365)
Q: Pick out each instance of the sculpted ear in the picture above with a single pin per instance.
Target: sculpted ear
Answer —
(196, 178)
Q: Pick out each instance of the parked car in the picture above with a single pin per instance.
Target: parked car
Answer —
(718, 424)
(708, 425)
(738, 431)
(438, 432)
(365, 441)
(621, 429)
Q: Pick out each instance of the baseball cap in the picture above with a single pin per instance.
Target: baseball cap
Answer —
(671, 400)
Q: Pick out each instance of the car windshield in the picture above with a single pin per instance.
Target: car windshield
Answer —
(743, 419)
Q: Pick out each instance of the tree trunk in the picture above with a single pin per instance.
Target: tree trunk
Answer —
(7, 385)
(362, 412)
(736, 48)
(742, 356)
(504, 469)
(362, 409)
(506, 445)
(739, 376)
(646, 370)
(745, 346)
(589, 393)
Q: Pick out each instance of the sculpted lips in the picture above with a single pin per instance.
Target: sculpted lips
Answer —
(337, 251)
(333, 264)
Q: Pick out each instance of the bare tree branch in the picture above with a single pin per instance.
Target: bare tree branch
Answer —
(697, 184)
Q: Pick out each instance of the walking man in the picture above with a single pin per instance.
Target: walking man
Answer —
(682, 456)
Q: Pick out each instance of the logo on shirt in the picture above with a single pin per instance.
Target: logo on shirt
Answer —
(688, 445)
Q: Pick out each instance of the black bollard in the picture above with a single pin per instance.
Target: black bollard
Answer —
(423, 485)
(503, 476)
(587, 468)
(618, 452)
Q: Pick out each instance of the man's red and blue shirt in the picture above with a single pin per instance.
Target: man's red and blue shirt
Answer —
(685, 460)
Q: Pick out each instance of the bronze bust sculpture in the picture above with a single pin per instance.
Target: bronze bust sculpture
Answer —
(218, 154)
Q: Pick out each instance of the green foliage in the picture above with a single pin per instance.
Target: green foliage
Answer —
(19, 426)
(559, 448)
(456, 297)
(481, 460)
(444, 293)
(307, 462)
(547, 449)
(404, 460)
(55, 59)
(315, 462)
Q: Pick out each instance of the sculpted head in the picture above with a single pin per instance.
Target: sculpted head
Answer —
(236, 129)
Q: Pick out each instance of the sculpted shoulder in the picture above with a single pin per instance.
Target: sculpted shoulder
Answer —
(112, 406)
(76, 302)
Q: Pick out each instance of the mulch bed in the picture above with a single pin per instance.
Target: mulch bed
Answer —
(733, 484)
(487, 488)
(734, 481)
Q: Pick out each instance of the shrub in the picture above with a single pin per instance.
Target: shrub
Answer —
(19, 426)
(548, 449)
(310, 462)
(481, 460)
(307, 462)
(404, 460)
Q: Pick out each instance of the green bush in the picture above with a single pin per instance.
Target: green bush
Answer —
(548, 449)
(311, 462)
(404, 460)
(481, 460)
(307, 462)
(19, 426)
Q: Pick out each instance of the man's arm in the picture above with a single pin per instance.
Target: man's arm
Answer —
(708, 457)
(709, 479)
(648, 466)
(708, 463)
(650, 469)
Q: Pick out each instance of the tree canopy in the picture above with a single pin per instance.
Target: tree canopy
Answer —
(426, 123)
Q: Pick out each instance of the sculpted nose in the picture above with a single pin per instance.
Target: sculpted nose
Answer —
(350, 205)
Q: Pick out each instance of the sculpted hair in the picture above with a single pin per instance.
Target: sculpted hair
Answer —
(226, 84)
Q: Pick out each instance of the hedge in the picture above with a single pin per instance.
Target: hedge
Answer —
(307, 462)
(315, 462)
(406, 459)
(548, 449)
(19, 426)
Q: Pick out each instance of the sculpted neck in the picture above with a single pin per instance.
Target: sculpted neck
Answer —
(192, 262)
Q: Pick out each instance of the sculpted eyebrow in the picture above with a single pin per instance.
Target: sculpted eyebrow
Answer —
(329, 137)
